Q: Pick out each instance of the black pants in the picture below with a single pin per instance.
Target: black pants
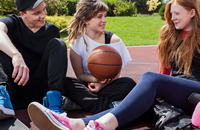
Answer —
(50, 75)
(78, 92)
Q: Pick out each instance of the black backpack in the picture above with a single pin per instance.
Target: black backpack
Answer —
(168, 117)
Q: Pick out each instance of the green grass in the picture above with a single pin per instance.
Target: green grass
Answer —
(141, 30)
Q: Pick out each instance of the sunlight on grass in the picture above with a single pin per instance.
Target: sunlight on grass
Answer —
(136, 30)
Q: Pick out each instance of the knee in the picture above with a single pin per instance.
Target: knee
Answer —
(151, 77)
(57, 43)
(130, 83)
(148, 75)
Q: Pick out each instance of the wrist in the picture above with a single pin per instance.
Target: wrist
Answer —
(16, 54)
(95, 80)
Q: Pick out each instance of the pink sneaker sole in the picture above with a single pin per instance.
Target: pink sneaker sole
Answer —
(196, 116)
(43, 118)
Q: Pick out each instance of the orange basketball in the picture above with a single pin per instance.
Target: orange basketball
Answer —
(104, 62)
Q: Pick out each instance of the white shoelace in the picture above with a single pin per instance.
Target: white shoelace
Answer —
(90, 126)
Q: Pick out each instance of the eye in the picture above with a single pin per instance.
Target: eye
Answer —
(176, 13)
(99, 16)
(37, 13)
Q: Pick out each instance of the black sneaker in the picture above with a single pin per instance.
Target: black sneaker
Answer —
(69, 105)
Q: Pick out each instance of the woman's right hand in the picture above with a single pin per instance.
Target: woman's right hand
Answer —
(20, 71)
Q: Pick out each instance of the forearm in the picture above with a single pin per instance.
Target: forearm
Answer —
(86, 78)
(7, 46)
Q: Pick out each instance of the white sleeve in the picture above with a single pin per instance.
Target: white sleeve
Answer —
(77, 46)
(123, 51)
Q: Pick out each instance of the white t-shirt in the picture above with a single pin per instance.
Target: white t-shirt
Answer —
(80, 48)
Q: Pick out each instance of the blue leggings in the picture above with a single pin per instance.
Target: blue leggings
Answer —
(173, 90)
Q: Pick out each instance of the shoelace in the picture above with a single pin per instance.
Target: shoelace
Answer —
(3, 93)
(90, 126)
(64, 114)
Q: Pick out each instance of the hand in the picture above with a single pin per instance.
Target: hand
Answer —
(21, 71)
(95, 87)
(104, 81)
(33, 127)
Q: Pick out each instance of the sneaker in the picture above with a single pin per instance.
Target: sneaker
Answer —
(114, 104)
(53, 101)
(45, 102)
(46, 119)
(94, 125)
(6, 108)
(196, 116)
(69, 105)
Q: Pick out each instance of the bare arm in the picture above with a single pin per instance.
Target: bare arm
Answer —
(21, 71)
(77, 66)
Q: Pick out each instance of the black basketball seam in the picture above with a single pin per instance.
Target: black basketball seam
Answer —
(105, 64)
(105, 51)
(99, 75)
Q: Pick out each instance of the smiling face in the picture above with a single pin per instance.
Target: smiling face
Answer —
(35, 18)
(181, 17)
(97, 23)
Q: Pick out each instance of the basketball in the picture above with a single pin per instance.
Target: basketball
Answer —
(104, 62)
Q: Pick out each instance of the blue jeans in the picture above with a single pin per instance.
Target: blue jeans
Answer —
(173, 90)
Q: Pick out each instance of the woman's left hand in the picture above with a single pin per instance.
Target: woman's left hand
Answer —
(95, 87)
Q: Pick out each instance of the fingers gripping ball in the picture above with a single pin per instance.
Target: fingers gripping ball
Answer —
(104, 62)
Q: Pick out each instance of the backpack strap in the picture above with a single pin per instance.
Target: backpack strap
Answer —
(108, 36)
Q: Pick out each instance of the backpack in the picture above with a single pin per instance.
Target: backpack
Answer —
(168, 117)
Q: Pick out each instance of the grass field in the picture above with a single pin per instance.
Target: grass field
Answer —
(136, 30)
(141, 30)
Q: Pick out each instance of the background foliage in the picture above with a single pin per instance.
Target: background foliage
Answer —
(161, 11)
(68, 7)
(8, 7)
(58, 7)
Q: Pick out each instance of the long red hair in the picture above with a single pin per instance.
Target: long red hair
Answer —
(169, 46)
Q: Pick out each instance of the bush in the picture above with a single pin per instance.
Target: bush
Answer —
(60, 21)
(8, 7)
(58, 7)
(72, 6)
(143, 8)
(111, 5)
(125, 9)
(162, 11)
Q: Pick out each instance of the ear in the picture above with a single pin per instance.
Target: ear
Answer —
(21, 13)
(85, 21)
(193, 12)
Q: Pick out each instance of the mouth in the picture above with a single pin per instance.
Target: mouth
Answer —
(103, 26)
(176, 23)
(42, 21)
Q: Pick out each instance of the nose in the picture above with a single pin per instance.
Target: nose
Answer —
(104, 19)
(173, 17)
(43, 14)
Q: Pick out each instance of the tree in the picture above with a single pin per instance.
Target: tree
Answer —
(153, 4)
